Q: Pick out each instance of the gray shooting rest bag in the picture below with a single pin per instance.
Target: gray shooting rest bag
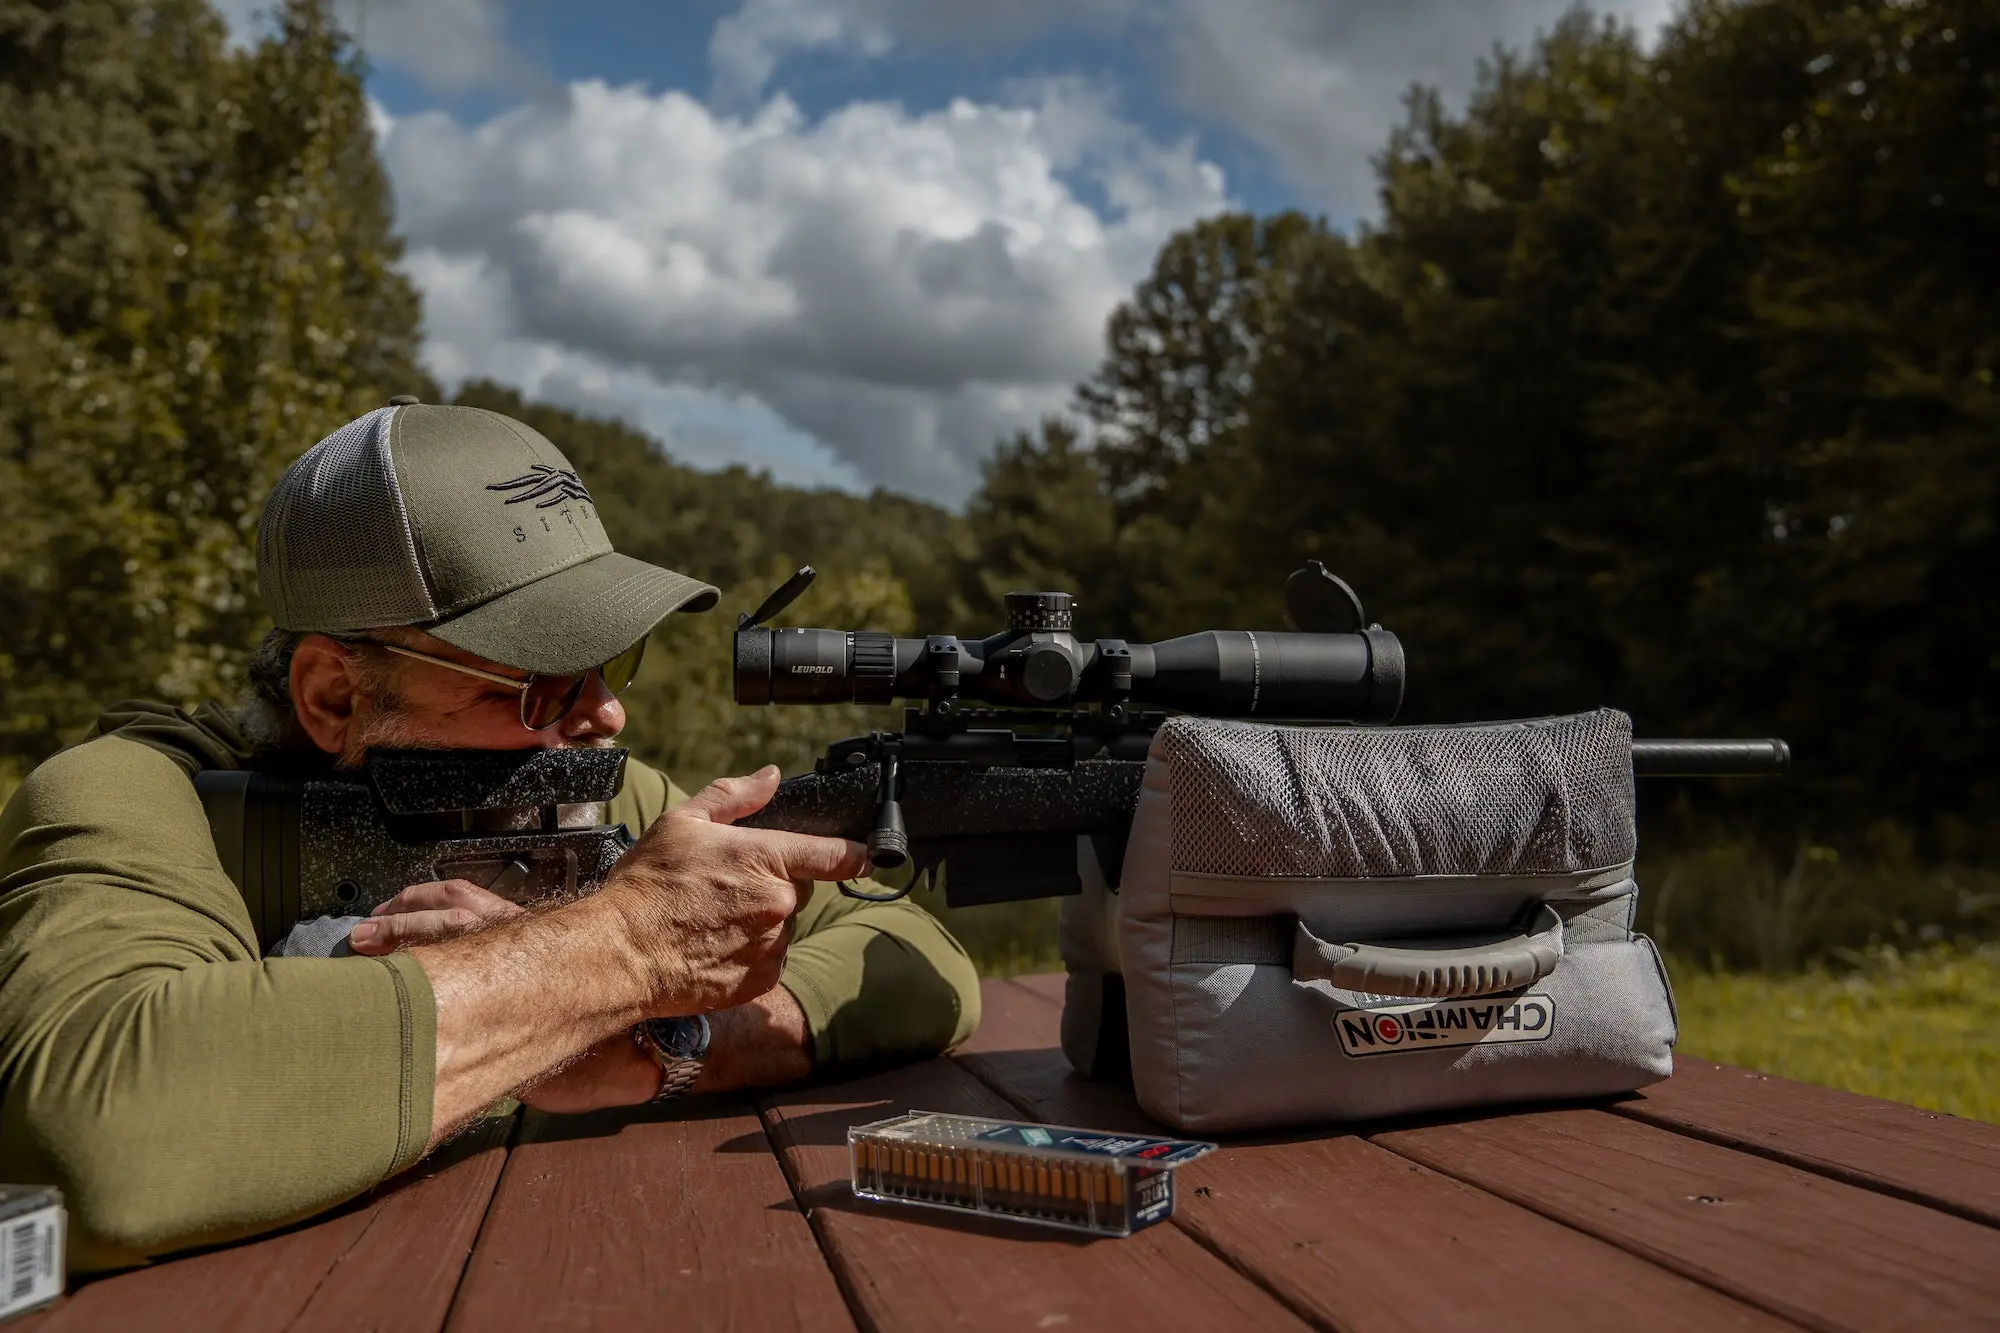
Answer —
(1339, 923)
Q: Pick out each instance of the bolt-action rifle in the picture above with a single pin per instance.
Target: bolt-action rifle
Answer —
(1023, 764)
(1020, 770)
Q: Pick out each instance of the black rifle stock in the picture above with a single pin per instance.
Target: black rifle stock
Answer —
(526, 824)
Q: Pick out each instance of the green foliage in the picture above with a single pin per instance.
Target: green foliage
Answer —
(196, 282)
(1664, 381)
(1727, 902)
(1043, 518)
(1919, 1026)
(736, 527)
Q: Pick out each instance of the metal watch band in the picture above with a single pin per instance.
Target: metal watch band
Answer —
(676, 1078)
(678, 1073)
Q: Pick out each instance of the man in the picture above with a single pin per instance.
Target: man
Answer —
(439, 578)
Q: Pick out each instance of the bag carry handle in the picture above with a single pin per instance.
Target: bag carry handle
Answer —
(1442, 973)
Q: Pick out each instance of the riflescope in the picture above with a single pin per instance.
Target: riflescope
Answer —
(1331, 667)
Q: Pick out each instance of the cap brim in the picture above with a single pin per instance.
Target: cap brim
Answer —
(576, 618)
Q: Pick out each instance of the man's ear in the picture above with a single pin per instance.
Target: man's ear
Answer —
(324, 694)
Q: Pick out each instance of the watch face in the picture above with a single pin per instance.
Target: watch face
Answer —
(682, 1038)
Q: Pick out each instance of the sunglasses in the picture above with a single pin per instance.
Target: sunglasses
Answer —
(545, 700)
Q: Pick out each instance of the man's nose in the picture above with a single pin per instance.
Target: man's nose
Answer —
(597, 713)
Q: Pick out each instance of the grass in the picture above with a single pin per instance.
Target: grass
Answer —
(1921, 1027)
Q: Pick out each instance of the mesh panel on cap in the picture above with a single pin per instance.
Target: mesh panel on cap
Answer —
(1549, 796)
(334, 551)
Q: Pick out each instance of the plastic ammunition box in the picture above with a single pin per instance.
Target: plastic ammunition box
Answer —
(1083, 1179)
(32, 1229)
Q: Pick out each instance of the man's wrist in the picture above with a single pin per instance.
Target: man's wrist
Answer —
(763, 1043)
(645, 973)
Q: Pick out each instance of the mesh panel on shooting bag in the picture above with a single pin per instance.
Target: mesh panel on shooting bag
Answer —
(1547, 796)
(1336, 923)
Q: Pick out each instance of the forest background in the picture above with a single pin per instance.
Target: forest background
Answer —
(1664, 379)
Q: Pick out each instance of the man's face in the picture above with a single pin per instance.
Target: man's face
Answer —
(424, 704)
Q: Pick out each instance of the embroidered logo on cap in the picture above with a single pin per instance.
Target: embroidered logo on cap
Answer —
(546, 486)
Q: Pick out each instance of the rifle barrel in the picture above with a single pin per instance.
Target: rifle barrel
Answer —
(1709, 759)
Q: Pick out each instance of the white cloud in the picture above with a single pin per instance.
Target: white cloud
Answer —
(903, 288)
(1316, 83)
(472, 333)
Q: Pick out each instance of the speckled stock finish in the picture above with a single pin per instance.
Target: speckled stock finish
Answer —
(413, 782)
(946, 800)
(350, 862)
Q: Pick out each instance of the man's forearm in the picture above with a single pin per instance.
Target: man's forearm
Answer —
(502, 1024)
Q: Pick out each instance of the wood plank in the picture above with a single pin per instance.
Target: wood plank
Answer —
(1015, 1053)
(1005, 1006)
(918, 1269)
(1824, 1253)
(1924, 1156)
(1307, 1214)
(647, 1217)
(403, 1272)
(1048, 985)
(388, 1261)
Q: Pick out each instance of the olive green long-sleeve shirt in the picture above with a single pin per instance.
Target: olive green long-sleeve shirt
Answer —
(181, 1089)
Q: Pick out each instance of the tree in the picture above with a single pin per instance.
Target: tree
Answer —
(1181, 355)
(1043, 520)
(1665, 380)
(197, 282)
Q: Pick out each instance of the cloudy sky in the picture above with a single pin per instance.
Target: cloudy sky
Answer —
(857, 241)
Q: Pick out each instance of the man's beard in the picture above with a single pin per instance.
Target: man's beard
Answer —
(381, 725)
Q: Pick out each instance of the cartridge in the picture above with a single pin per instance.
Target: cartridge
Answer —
(1090, 1180)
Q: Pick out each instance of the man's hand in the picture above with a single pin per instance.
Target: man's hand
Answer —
(695, 918)
(709, 908)
(427, 913)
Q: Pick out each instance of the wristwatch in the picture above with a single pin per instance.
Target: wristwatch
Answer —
(679, 1046)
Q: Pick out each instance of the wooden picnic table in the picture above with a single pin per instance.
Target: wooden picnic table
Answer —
(1722, 1199)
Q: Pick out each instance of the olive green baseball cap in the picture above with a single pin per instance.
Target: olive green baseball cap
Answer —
(467, 524)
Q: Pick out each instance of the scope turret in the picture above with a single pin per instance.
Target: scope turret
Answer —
(1037, 610)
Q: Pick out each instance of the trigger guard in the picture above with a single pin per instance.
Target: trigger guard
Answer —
(847, 887)
(925, 859)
